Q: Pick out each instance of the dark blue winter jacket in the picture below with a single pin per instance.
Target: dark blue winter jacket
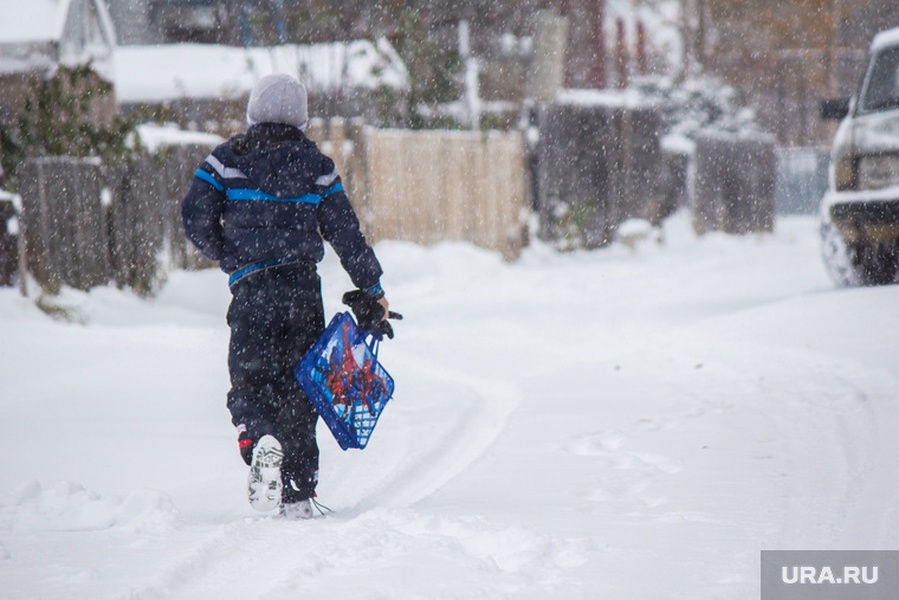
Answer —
(269, 197)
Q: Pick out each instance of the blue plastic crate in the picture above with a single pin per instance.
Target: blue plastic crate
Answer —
(345, 382)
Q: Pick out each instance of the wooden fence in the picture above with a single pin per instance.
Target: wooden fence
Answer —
(147, 238)
(63, 222)
(430, 186)
(427, 186)
(734, 183)
(86, 224)
(596, 166)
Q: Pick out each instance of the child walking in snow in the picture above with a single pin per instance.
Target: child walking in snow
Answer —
(261, 205)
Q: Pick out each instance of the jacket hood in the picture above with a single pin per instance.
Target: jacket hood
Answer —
(276, 158)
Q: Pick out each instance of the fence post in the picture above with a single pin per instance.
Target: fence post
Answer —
(337, 137)
(548, 71)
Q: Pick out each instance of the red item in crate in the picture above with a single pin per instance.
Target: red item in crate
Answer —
(345, 382)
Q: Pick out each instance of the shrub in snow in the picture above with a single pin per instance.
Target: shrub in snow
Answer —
(695, 104)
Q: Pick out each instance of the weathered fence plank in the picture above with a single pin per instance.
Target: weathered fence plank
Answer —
(177, 164)
(145, 215)
(134, 225)
(74, 237)
(63, 216)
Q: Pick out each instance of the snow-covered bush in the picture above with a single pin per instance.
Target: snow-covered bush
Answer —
(696, 104)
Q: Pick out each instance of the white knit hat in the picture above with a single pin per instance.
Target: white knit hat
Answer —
(278, 98)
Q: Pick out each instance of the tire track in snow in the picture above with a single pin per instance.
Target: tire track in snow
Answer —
(441, 421)
(872, 500)
(818, 430)
(344, 557)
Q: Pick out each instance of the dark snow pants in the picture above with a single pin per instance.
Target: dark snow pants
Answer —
(276, 314)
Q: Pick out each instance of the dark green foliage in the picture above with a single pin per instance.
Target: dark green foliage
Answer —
(59, 120)
(414, 30)
(433, 69)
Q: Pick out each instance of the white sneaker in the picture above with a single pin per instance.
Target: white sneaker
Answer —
(297, 510)
(264, 480)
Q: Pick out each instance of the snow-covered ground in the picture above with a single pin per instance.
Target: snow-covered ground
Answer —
(633, 423)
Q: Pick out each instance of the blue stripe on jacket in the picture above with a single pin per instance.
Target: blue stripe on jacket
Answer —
(253, 268)
(243, 194)
(249, 194)
(201, 174)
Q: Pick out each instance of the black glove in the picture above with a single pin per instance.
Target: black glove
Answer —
(369, 313)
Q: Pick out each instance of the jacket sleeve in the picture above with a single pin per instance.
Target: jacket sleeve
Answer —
(339, 226)
(201, 212)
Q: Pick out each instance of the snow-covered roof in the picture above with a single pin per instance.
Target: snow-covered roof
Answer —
(46, 20)
(153, 137)
(32, 20)
(166, 72)
(627, 98)
(38, 34)
(889, 37)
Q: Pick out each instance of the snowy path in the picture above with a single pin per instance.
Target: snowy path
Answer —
(622, 424)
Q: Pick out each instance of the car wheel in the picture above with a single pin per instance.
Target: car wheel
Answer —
(839, 258)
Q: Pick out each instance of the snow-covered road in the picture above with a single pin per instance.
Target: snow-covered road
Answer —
(627, 423)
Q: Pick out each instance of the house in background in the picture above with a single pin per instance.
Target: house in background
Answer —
(229, 22)
(133, 24)
(206, 86)
(194, 62)
(39, 36)
(144, 22)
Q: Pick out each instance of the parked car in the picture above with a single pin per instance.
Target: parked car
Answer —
(860, 210)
